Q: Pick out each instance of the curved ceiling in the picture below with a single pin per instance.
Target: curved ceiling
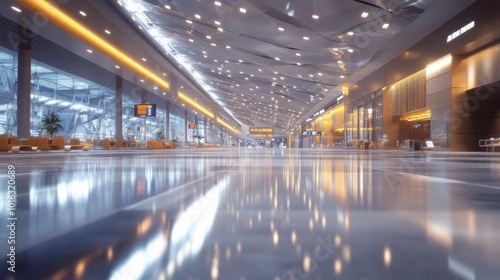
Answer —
(271, 61)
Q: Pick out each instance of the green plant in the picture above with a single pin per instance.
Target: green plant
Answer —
(51, 123)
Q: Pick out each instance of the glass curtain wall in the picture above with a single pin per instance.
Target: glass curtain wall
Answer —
(87, 110)
(364, 120)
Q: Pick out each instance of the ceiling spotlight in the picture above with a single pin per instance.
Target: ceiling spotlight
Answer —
(297, 54)
(217, 22)
(217, 3)
(350, 50)
(350, 33)
(191, 40)
(188, 21)
(168, 7)
(16, 9)
(315, 16)
(228, 47)
(220, 29)
(89, 51)
(197, 16)
(243, 10)
(364, 14)
(107, 31)
(339, 62)
(143, 59)
(117, 67)
(281, 29)
(83, 13)
(385, 25)
(306, 38)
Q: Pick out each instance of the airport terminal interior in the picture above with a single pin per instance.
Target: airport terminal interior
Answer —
(250, 139)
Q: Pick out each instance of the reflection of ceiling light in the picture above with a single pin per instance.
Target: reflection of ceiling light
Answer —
(385, 25)
(364, 14)
(16, 9)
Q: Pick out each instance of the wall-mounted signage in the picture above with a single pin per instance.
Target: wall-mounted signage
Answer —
(144, 110)
(192, 125)
(459, 32)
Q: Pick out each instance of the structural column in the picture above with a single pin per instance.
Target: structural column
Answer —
(185, 126)
(119, 108)
(205, 130)
(167, 121)
(24, 84)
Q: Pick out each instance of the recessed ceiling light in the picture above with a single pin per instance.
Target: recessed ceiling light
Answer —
(188, 21)
(364, 14)
(350, 50)
(240, 61)
(281, 29)
(350, 33)
(143, 59)
(339, 62)
(277, 58)
(142, 81)
(217, 22)
(220, 29)
(191, 40)
(213, 44)
(297, 54)
(298, 63)
(107, 31)
(117, 67)
(168, 7)
(315, 16)
(209, 37)
(217, 3)
(89, 51)
(243, 10)
(320, 74)
(83, 13)
(228, 47)
(385, 25)
(197, 16)
(16, 9)
(306, 38)
(260, 70)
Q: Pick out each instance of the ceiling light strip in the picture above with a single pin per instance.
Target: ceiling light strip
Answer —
(68, 24)
(220, 121)
(73, 27)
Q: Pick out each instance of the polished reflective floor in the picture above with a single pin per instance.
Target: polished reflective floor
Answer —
(253, 214)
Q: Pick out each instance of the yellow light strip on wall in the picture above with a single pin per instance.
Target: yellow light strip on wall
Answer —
(220, 121)
(189, 101)
(68, 24)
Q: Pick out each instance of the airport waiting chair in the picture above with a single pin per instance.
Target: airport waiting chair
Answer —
(4, 143)
(57, 143)
(14, 142)
(106, 143)
(75, 144)
(43, 144)
(119, 144)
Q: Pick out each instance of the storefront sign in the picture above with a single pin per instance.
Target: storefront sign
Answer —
(461, 31)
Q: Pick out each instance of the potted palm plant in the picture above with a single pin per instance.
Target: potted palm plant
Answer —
(51, 123)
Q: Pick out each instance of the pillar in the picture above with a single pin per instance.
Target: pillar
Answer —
(167, 121)
(24, 84)
(119, 108)
(185, 126)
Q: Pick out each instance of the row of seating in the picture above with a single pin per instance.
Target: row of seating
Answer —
(12, 143)
(158, 144)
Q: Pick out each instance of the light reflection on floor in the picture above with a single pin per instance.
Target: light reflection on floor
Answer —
(257, 214)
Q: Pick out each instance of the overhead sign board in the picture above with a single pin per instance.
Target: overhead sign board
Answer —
(144, 110)
(261, 130)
